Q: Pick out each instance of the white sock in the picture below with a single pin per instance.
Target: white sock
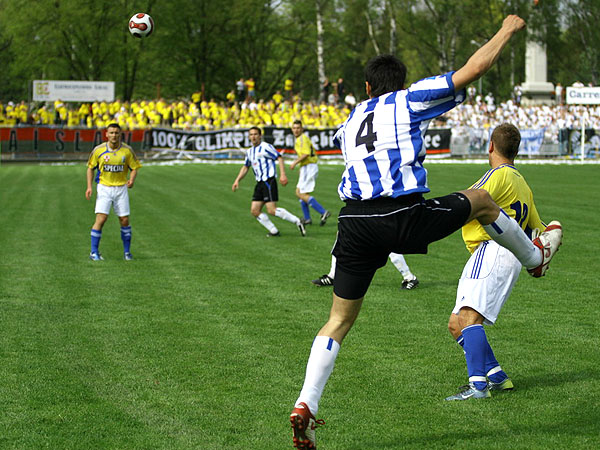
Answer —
(400, 263)
(507, 232)
(284, 214)
(266, 222)
(331, 273)
(320, 365)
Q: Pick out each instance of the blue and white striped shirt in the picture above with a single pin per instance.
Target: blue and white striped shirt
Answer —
(383, 139)
(263, 159)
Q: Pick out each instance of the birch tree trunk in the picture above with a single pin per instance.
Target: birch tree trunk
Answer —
(320, 59)
(371, 33)
(390, 9)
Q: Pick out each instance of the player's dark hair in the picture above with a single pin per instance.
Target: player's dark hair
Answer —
(385, 73)
(257, 129)
(297, 122)
(506, 139)
(113, 125)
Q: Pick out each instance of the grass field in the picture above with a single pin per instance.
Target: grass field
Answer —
(201, 341)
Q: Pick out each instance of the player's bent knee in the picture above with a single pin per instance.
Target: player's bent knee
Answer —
(483, 207)
(467, 316)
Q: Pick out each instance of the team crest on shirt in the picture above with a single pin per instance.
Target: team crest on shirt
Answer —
(106, 158)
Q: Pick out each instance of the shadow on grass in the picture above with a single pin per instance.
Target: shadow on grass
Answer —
(537, 380)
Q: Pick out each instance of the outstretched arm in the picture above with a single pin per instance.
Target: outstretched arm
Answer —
(484, 58)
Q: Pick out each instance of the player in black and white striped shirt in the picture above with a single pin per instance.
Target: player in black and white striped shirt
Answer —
(263, 158)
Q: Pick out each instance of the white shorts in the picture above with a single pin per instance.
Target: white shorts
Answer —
(115, 196)
(307, 178)
(487, 280)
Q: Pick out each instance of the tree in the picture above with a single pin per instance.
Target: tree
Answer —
(202, 44)
(580, 55)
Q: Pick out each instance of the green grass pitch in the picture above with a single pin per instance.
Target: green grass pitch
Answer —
(201, 341)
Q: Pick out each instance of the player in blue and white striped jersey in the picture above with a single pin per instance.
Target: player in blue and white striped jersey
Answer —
(382, 139)
(384, 212)
(264, 158)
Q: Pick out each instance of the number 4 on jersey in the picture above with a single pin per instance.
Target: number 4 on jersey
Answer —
(370, 137)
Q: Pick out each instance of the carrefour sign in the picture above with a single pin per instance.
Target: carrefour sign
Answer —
(583, 95)
(73, 91)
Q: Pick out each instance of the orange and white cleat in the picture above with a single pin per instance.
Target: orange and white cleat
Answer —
(304, 425)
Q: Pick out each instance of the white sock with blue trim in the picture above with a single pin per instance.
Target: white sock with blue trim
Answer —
(507, 232)
(318, 369)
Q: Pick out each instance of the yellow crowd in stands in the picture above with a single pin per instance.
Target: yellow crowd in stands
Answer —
(182, 114)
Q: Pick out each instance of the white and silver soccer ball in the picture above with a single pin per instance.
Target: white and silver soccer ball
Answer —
(141, 25)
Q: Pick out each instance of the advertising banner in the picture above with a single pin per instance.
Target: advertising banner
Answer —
(436, 140)
(76, 143)
(583, 95)
(59, 143)
(73, 91)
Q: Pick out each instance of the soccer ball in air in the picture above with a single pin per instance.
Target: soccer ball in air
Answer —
(141, 25)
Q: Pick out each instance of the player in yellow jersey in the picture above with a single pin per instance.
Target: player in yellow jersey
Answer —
(309, 170)
(492, 270)
(113, 160)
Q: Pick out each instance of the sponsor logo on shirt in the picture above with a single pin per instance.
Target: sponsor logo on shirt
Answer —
(113, 168)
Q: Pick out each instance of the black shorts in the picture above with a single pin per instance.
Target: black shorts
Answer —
(369, 231)
(266, 191)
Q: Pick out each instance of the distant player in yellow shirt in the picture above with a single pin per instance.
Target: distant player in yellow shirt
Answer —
(113, 160)
(309, 170)
(492, 270)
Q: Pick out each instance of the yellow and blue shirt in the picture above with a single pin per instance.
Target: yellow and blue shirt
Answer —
(510, 191)
(113, 165)
(304, 146)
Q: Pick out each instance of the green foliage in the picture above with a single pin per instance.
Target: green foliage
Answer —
(206, 46)
(579, 59)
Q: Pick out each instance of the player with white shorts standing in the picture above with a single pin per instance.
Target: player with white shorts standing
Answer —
(309, 170)
(113, 160)
(492, 270)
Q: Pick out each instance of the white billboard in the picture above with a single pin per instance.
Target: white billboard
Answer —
(73, 91)
(583, 95)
